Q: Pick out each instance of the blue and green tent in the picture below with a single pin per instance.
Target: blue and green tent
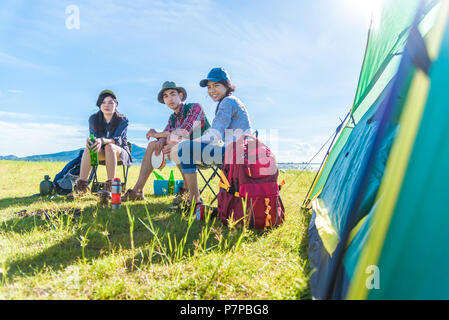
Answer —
(380, 220)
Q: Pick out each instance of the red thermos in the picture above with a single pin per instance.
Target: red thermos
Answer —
(116, 190)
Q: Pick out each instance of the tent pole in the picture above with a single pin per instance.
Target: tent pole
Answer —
(306, 201)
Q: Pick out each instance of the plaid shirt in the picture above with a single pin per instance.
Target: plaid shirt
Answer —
(195, 114)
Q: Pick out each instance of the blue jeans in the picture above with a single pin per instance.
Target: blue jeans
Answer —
(192, 152)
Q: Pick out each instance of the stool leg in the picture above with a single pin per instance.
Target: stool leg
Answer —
(207, 181)
(93, 178)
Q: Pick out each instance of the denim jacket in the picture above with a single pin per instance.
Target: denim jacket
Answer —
(231, 117)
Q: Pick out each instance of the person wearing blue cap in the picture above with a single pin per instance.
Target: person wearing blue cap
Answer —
(230, 122)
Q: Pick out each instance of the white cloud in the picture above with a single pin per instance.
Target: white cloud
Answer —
(291, 148)
(138, 127)
(13, 61)
(35, 117)
(15, 91)
(31, 138)
(15, 115)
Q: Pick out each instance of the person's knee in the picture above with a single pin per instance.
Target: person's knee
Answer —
(86, 155)
(109, 148)
(151, 146)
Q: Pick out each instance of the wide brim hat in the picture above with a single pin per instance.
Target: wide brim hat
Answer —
(171, 85)
(215, 75)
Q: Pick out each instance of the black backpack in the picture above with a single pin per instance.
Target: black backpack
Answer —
(66, 179)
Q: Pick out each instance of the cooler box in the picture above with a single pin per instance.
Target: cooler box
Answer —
(161, 187)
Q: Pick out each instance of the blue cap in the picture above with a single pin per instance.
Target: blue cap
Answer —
(215, 75)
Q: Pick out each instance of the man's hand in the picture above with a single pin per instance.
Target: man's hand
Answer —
(177, 136)
(167, 149)
(151, 134)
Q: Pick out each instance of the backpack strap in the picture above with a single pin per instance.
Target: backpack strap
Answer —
(186, 110)
(267, 212)
(224, 182)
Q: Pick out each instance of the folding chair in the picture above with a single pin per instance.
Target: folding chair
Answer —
(97, 186)
(215, 173)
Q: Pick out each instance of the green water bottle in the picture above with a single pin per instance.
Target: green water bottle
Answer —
(158, 176)
(171, 183)
(93, 154)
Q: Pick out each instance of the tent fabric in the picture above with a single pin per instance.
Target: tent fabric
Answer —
(412, 255)
(387, 221)
(321, 263)
(335, 198)
(387, 38)
(386, 41)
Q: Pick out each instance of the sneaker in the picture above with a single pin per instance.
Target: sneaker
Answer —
(132, 195)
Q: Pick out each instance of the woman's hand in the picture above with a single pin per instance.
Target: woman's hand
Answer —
(94, 146)
(89, 144)
(98, 144)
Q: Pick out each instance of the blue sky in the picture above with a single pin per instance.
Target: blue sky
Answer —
(295, 64)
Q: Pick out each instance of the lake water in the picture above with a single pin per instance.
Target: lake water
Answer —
(282, 166)
(299, 166)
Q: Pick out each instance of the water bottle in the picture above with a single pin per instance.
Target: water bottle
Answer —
(200, 212)
(46, 187)
(93, 154)
(116, 190)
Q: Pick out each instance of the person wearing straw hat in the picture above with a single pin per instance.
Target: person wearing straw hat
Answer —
(185, 120)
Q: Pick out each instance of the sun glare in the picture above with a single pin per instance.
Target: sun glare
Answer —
(367, 9)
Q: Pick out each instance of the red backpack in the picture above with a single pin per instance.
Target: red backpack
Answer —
(250, 173)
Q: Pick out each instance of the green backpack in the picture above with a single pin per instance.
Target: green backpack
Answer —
(186, 110)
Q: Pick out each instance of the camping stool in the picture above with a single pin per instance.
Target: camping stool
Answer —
(215, 173)
(97, 186)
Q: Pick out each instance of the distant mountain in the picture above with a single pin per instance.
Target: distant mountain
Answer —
(10, 157)
(137, 154)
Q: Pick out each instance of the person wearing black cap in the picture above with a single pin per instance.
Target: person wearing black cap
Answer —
(109, 128)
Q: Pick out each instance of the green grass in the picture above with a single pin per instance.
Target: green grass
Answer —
(144, 250)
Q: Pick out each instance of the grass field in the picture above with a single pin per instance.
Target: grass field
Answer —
(144, 250)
